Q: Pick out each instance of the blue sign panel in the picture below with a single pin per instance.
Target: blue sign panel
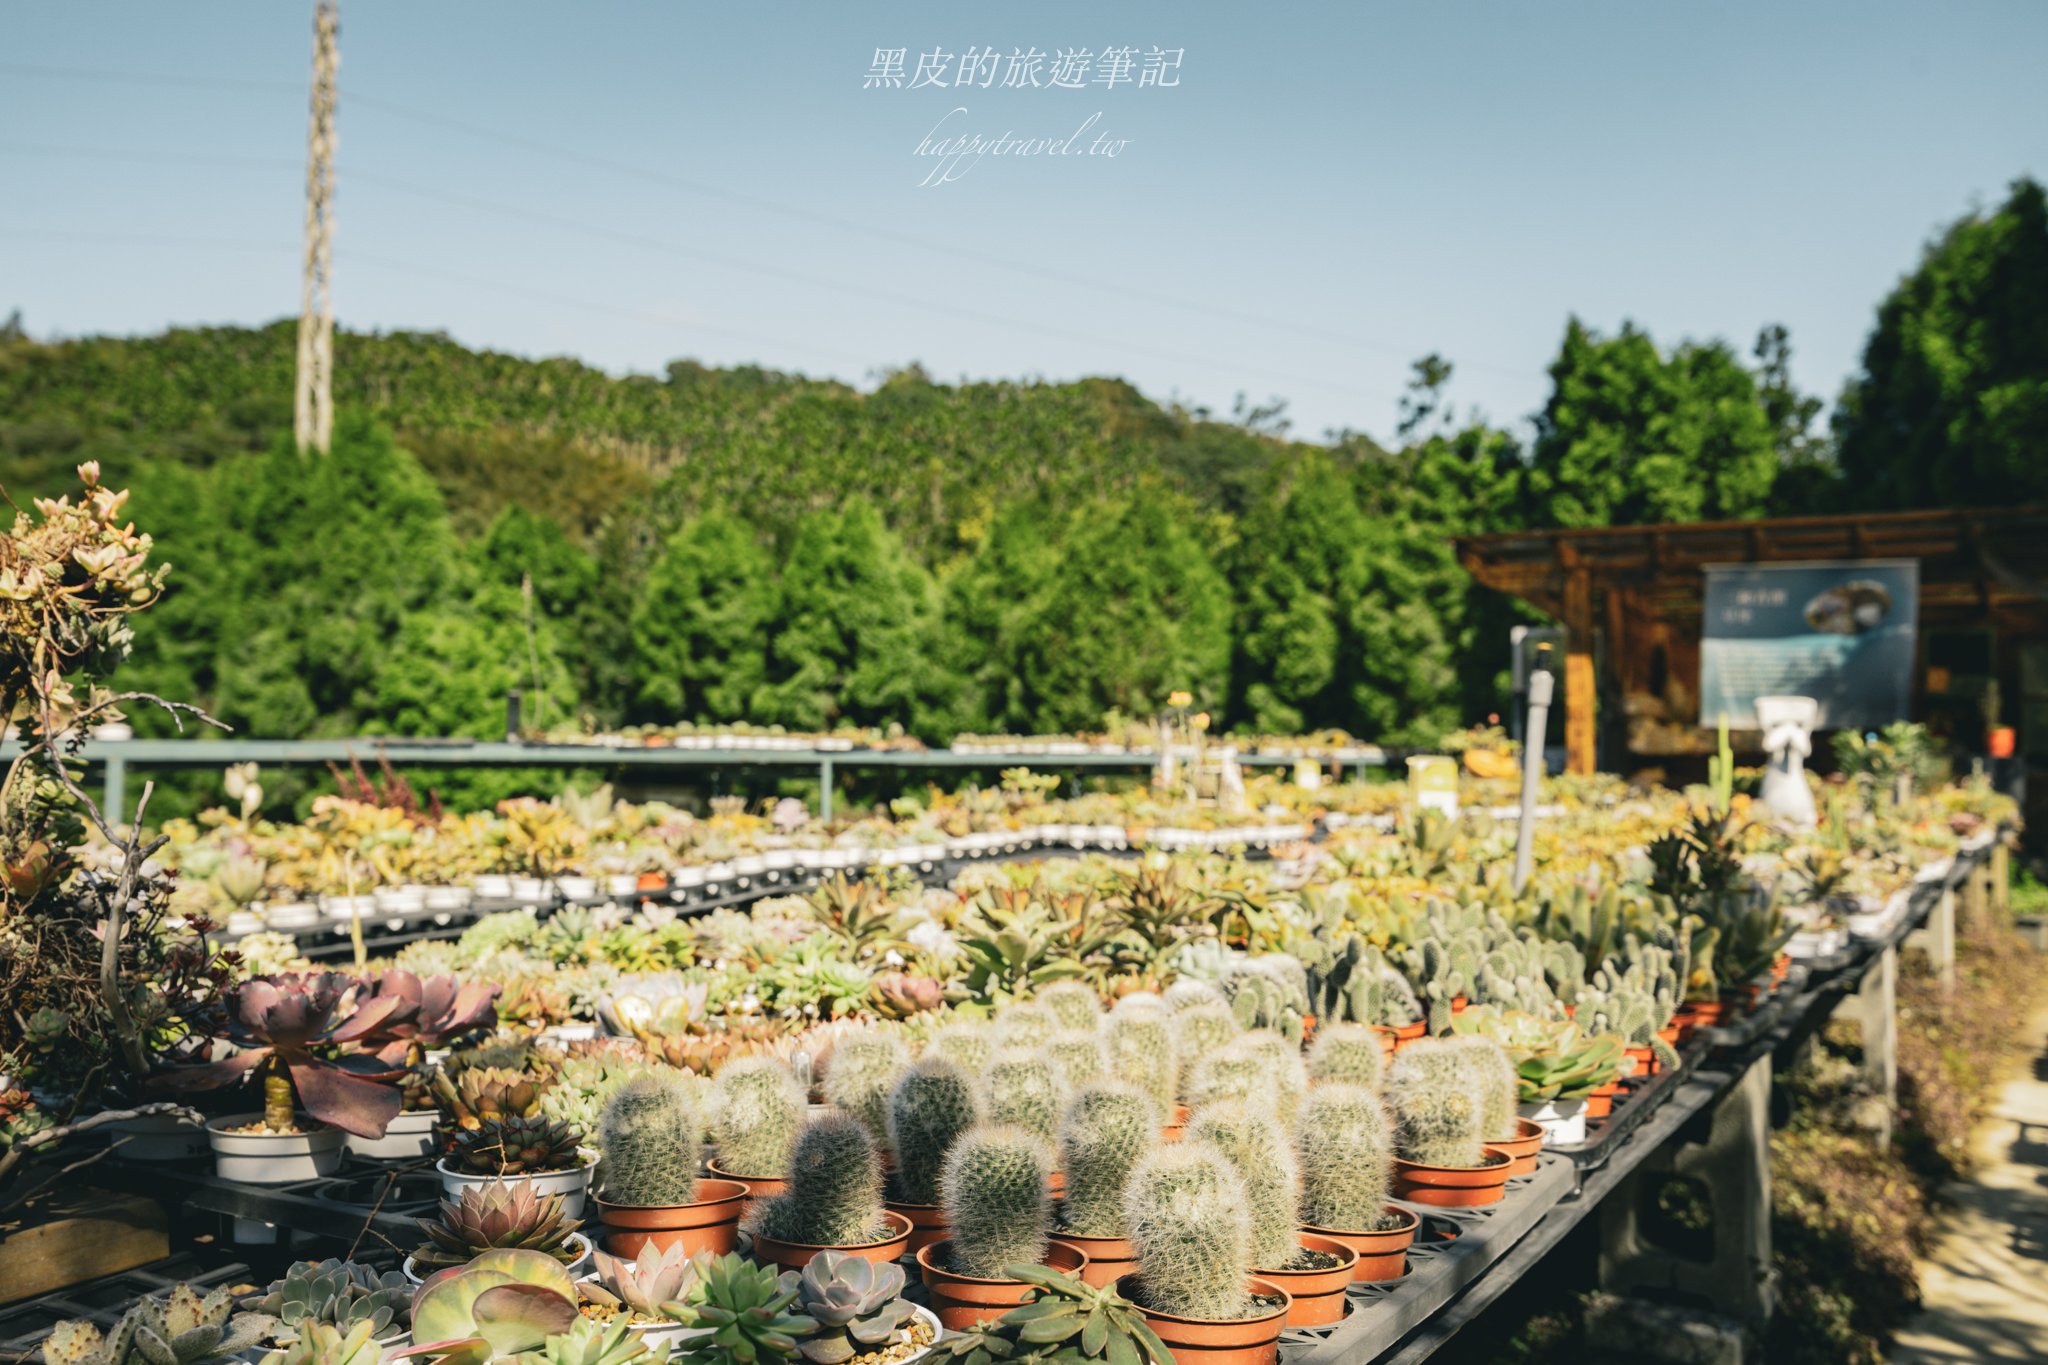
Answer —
(1840, 633)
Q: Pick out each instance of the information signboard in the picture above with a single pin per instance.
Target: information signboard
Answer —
(1841, 633)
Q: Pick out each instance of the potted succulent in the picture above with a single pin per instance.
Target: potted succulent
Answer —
(1557, 1067)
(1141, 1051)
(1348, 1054)
(1108, 1128)
(183, 1326)
(1315, 1271)
(1186, 1211)
(932, 1104)
(1023, 1087)
(652, 1194)
(1345, 1150)
(497, 1215)
(996, 1193)
(654, 1294)
(1440, 1130)
(432, 1014)
(338, 1294)
(859, 1310)
(755, 1111)
(745, 1315)
(834, 1200)
(522, 1150)
(501, 1304)
(1068, 1319)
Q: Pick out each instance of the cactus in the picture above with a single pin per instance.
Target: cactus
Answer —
(1285, 1071)
(1075, 1004)
(864, 1066)
(967, 1044)
(1141, 1051)
(1493, 1083)
(1199, 1031)
(1078, 1055)
(1232, 1074)
(1184, 1211)
(1344, 984)
(1349, 1054)
(1024, 1088)
(1257, 1146)
(995, 1193)
(1261, 1002)
(182, 1328)
(859, 1306)
(1108, 1126)
(835, 1188)
(650, 1141)
(1346, 1153)
(1437, 1119)
(756, 1108)
(1026, 1025)
(933, 1103)
(1188, 992)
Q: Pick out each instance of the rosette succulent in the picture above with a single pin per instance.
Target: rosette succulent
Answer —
(499, 1215)
(660, 1285)
(339, 1294)
(516, 1146)
(858, 1306)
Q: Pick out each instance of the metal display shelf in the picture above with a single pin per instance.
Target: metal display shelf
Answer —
(24, 1325)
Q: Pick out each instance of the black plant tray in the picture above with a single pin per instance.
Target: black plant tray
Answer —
(24, 1325)
(342, 1208)
(1640, 1098)
(1452, 1249)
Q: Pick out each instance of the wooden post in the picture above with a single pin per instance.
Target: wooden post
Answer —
(1579, 688)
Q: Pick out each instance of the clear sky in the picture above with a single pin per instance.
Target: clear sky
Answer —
(1331, 190)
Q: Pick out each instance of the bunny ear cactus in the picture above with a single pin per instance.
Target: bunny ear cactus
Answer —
(858, 1306)
(1437, 1119)
(1108, 1126)
(932, 1105)
(1262, 1003)
(1257, 1146)
(1184, 1211)
(997, 1201)
(651, 1151)
(863, 1069)
(1078, 1055)
(755, 1111)
(1141, 1051)
(1024, 1088)
(1348, 1054)
(1346, 1151)
(835, 1188)
(1073, 1003)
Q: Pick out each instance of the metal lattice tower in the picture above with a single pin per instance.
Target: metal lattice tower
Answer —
(313, 408)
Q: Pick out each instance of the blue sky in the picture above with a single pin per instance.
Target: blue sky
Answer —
(1331, 190)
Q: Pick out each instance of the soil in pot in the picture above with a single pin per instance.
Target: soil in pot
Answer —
(1253, 1340)
(963, 1300)
(1453, 1187)
(1315, 1281)
(710, 1222)
(889, 1243)
(1382, 1251)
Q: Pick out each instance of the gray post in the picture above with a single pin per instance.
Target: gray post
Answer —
(114, 800)
(1874, 1008)
(824, 789)
(1540, 683)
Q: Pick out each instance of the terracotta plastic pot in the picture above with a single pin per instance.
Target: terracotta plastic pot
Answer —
(963, 1300)
(1600, 1100)
(1316, 1297)
(1246, 1341)
(1521, 1149)
(927, 1222)
(1459, 1004)
(710, 1222)
(1381, 1255)
(1109, 1258)
(797, 1255)
(1645, 1060)
(1390, 1041)
(1056, 1183)
(1175, 1128)
(1453, 1187)
(1408, 1033)
(759, 1187)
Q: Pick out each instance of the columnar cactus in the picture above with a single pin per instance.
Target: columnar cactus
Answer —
(968, 1045)
(1023, 1088)
(651, 1147)
(1141, 1051)
(1235, 1073)
(1075, 1004)
(1350, 1054)
(756, 1109)
(1494, 1085)
(998, 1205)
(1108, 1127)
(1188, 992)
(1201, 1030)
(1026, 1025)
(1437, 1119)
(863, 1068)
(1257, 1146)
(1346, 1154)
(1184, 1211)
(1078, 1054)
(1282, 1058)
(934, 1102)
(835, 1188)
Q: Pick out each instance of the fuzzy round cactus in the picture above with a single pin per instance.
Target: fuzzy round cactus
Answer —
(1108, 1127)
(756, 1110)
(998, 1207)
(1078, 1054)
(1141, 1051)
(1495, 1084)
(1232, 1074)
(968, 1045)
(1200, 1030)
(1283, 1059)
(1257, 1146)
(863, 1068)
(1346, 1150)
(1436, 1117)
(1074, 1003)
(1025, 1025)
(1184, 1211)
(651, 1148)
(1024, 1088)
(1348, 1054)
(1138, 1000)
(934, 1102)
(1188, 992)
(835, 1188)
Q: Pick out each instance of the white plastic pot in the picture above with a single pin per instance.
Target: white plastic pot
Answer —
(494, 886)
(1562, 1121)
(291, 915)
(571, 1185)
(576, 888)
(411, 1135)
(158, 1137)
(272, 1158)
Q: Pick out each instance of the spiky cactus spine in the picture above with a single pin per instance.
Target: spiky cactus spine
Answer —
(1285, 1069)
(1201, 1030)
(864, 1067)
(1232, 1074)
(1436, 1116)
(1108, 1127)
(1025, 1025)
(933, 1103)
(1074, 1003)
(1184, 1211)
(1078, 1054)
(757, 1107)
(1346, 1151)
(1257, 1146)
(968, 1045)
(1187, 992)
(651, 1148)
(835, 1188)
(1348, 1054)
(998, 1207)
(1141, 1051)
(1494, 1085)
(1023, 1088)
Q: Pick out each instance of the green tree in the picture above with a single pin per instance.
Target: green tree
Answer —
(1298, 564)
(1951, 408)
(700, 630)
(451, 664)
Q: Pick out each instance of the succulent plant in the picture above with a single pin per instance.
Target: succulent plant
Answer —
(1261, 1002)
(1068, 1323)
(181, 1328)
(1023, 1087)
(835, 1188)
(934, 1102)
(1077, 1055)
(1184, 1211)
(338, 1294)
(1026, 1025)
(321, 1343)
(507, 1214)
(863, 1068)
(502, 1303)
(1346, 1151)
(967, 1044)
(646, 1287)
(746, 1317)
(516, 1146)
(1436, 1117)
(480, 1094)
(995, 1190)
(1108, 1126)
(1141, 1051)
(1073, 1003)
(858, 1306)
(1348, 1054)
(1257, 1146)
(651, 1152)
(755, 1111)
(591, 1343)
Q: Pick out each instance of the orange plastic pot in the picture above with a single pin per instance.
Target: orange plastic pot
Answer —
(1175, 1128)
(1381, 1255)
(759, 1187)
(963, 1300)
(927, 1223)
(1521, 1149)
(708, 1223)
(797, 1255)
(1202, 1341)
(1109, 1258)
(1645, 1060)
(1390, 1041)
(651, 881)
(1600, 1100)
(1316, 1297)
(1453, 1187)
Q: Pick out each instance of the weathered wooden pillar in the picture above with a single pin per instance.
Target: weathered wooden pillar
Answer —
(1874, 1008)
(1580, 689)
